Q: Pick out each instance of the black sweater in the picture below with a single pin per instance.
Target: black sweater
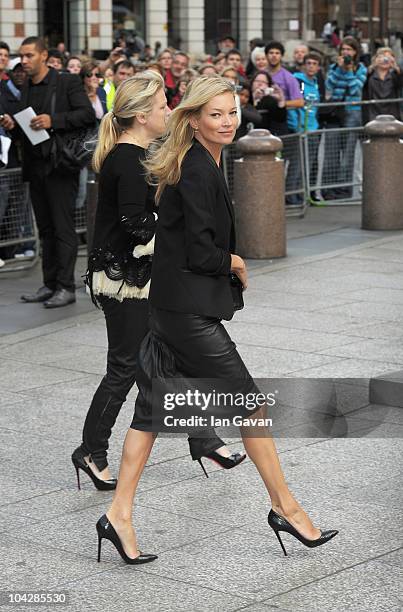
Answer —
(125, 218)
(378, 89)
(274, 118)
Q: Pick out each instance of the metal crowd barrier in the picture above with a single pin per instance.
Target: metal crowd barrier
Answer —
(322, 167)
(19, 240)
(18, 233)
(333, 165)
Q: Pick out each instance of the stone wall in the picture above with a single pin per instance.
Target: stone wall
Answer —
(18, 19)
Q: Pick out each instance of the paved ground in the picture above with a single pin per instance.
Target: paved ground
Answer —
(334, 308)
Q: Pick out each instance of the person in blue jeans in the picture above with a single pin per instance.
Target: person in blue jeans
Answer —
(345, 82)
(293, 99)
(306, 119)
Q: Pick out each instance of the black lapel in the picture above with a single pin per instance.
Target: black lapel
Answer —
(47, 103)
(220, 174)
(24, 96)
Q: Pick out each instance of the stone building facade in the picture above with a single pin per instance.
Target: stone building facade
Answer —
(193, 25)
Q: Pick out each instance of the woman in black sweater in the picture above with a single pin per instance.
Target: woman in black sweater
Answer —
(384, 82)
(119, 266)
(190, 294)
(268, 99)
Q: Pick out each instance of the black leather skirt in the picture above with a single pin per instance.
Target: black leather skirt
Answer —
(189, 346)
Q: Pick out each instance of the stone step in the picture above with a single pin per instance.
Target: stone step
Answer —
(387, 389)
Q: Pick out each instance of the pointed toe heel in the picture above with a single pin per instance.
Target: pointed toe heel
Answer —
(106, 531)
(80, 464)
(279, 523)
(225, 462)
(199, 448)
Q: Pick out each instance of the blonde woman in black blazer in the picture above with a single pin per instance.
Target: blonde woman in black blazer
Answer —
(190, 294)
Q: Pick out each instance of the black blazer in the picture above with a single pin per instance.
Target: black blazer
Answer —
(72, 106)
(194, 240)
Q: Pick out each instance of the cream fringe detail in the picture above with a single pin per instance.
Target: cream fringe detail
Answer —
(101, 284)
(144, 249)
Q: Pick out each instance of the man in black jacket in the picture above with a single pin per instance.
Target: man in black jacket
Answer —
(61, 105)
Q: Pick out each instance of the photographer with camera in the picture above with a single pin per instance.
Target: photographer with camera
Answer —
(385, 81)
(344, 83)
(269, 98)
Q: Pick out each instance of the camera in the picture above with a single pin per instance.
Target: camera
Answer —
(269, 91)
(347, 59)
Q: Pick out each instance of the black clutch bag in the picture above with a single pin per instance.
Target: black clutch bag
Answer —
(237, 291)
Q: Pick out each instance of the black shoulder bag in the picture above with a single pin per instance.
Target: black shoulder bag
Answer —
(68, 150)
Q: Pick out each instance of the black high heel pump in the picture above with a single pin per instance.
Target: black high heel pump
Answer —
(279, 523)
(225, 462)
(79, 463)
(106, 531)
(201, 447)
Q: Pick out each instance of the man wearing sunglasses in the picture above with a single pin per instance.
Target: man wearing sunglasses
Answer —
(92, 79)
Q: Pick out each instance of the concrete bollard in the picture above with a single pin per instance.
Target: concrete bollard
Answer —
(259, 197)
(382, 198)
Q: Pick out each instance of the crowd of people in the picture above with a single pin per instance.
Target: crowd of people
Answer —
(271, 94)
(163, 266)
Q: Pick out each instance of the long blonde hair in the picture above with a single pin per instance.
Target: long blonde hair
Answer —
(133, 96)
(163, 166)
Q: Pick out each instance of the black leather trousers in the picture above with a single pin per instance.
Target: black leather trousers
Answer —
(126, 324)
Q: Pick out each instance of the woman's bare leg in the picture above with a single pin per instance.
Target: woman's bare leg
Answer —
(260, 447)
(136, 450)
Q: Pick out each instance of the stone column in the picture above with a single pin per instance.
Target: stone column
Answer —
(157, 22)
(250, 22)
(259, 197)
(100, 29)
(190, 26)
(18, 19)
(382, 198)
(81, 28)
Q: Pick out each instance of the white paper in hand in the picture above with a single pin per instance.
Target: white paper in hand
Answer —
(24, 118)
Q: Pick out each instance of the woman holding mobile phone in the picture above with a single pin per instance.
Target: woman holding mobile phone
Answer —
(385, 80)
(269, 100)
